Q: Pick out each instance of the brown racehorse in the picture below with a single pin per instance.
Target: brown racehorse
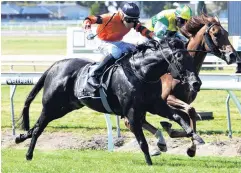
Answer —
(206, 35)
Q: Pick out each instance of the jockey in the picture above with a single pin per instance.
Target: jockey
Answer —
(168, 22)
(111, 30)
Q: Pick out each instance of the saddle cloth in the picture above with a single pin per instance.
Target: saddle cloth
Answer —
(85, 87)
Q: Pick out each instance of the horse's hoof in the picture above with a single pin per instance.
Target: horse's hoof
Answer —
(191, 152)
(149, 163)
(29, 157)
(162, 147)
(166, 125)
(18, 140)
(198, 140)
(148, 159)
(155, 152)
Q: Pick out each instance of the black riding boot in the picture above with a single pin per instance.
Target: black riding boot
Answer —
(108, 61)
(238, 70)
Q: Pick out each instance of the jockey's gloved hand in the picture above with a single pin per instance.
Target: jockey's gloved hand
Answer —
(90, 35)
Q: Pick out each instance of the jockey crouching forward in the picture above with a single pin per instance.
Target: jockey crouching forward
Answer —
(168, 22)
(111, 30)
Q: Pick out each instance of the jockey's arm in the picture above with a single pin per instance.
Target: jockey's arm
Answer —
(160, 29)
(143, 30)
(95, 20)
(90, 20)
(161, 26)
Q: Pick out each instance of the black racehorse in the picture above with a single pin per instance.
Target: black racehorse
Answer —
(134, 89)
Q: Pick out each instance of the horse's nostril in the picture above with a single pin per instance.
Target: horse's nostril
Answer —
(196, 86)
(232, 57)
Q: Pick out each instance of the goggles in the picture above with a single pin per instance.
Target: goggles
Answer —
(131, 20)
(181, 20)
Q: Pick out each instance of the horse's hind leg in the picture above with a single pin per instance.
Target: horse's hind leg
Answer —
(36, 132)
(46, 117)
(23, 137)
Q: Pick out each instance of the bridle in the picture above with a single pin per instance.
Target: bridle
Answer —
(213, 48)
(208, 40)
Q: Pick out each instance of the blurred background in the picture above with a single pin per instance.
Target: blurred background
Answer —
(41, 27)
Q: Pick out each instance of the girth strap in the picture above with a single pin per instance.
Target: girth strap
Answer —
(104, 101)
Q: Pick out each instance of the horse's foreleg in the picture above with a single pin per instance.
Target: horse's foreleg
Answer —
(161, 143)
(161, 108)
(191, 112)
(136, 128)
(173, 133)
(191, 151)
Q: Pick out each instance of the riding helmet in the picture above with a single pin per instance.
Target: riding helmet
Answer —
(184, 12)
(131, 10)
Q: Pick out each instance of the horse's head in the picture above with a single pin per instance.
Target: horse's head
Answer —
(216, 40)
(181, 64)
(212, 36)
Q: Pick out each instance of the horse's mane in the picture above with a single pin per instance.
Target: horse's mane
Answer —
(193, 25)
(150, 44)
(154, 45)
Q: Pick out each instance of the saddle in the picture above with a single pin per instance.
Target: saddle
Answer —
(86, 88)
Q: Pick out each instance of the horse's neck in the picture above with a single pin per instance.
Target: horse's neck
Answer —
(148, 67)
(197, 43)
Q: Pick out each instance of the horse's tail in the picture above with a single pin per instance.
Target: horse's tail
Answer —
(25, 112)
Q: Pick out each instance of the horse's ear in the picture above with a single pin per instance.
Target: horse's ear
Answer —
(217, 19)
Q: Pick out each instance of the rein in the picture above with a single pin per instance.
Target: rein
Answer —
(173, 67)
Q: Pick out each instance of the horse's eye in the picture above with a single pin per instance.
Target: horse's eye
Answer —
(178, 55)
(216, 34)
